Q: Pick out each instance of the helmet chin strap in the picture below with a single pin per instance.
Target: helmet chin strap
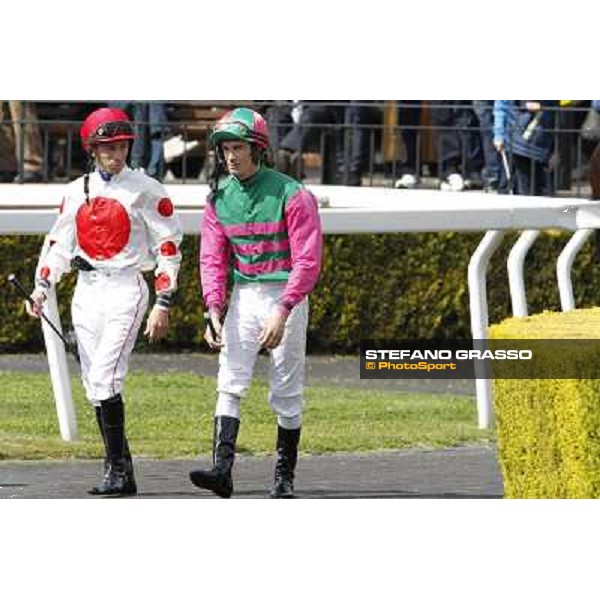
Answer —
(90, 165)
(256, 154)
(218, 170)
(86, 178)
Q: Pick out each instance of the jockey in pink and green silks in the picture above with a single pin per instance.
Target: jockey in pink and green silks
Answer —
(265, 227)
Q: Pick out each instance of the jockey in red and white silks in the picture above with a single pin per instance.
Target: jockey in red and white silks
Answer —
(127, 226)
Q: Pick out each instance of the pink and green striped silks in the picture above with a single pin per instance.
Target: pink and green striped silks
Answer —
(270, 225)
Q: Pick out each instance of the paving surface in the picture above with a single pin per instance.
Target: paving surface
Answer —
(465, 472)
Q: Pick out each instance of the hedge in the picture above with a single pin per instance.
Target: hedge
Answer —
(548, 430)
(372, 286)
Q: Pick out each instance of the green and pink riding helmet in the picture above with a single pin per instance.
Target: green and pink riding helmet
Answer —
(241, 124)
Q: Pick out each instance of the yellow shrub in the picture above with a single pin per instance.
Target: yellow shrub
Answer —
(549, 429)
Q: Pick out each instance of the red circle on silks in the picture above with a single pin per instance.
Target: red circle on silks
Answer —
(44, 272)
(165, 207)
(103, 228)
(168, 249)
(162, 282)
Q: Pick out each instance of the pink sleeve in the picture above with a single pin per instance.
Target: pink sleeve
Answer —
(214, 259)
(306, 245)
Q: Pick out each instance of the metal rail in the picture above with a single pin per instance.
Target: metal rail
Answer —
(31, 209)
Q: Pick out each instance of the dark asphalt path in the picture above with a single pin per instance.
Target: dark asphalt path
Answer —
(464, 472)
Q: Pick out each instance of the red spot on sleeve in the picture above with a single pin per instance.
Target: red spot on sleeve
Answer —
(44, 272)
(162, 282)
(168, 249)
(165, 207)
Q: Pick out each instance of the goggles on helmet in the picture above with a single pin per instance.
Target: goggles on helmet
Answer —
(236, 129)
(107, 131)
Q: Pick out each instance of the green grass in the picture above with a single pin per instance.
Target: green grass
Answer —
(171, 416)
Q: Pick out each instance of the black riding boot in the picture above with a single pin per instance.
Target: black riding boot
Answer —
(98, 412)
(118, 478)
(287, 456)
(126, 455)
(219, 479)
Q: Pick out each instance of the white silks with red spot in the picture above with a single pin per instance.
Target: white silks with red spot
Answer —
(129, 223)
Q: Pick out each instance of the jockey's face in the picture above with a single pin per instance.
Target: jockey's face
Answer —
(238, 157)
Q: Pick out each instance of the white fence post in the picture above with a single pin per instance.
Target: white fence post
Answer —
(516, 277)
(564, 264)
(479, 318)
(57, 363)
(59, 371)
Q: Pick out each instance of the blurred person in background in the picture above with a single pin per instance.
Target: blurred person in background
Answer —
(523, 133)
(338, 129)
(149, 121)
(460, 156)
(280, 116)
(18, 139)
(484, 110)
(409, 119)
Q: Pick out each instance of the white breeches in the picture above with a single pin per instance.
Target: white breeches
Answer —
(251, 305)
(107, 310)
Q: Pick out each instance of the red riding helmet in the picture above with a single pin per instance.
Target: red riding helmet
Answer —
(105, 125)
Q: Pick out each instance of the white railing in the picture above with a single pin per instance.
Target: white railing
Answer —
(31, 209)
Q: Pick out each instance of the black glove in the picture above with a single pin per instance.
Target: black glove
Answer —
(81, 264)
